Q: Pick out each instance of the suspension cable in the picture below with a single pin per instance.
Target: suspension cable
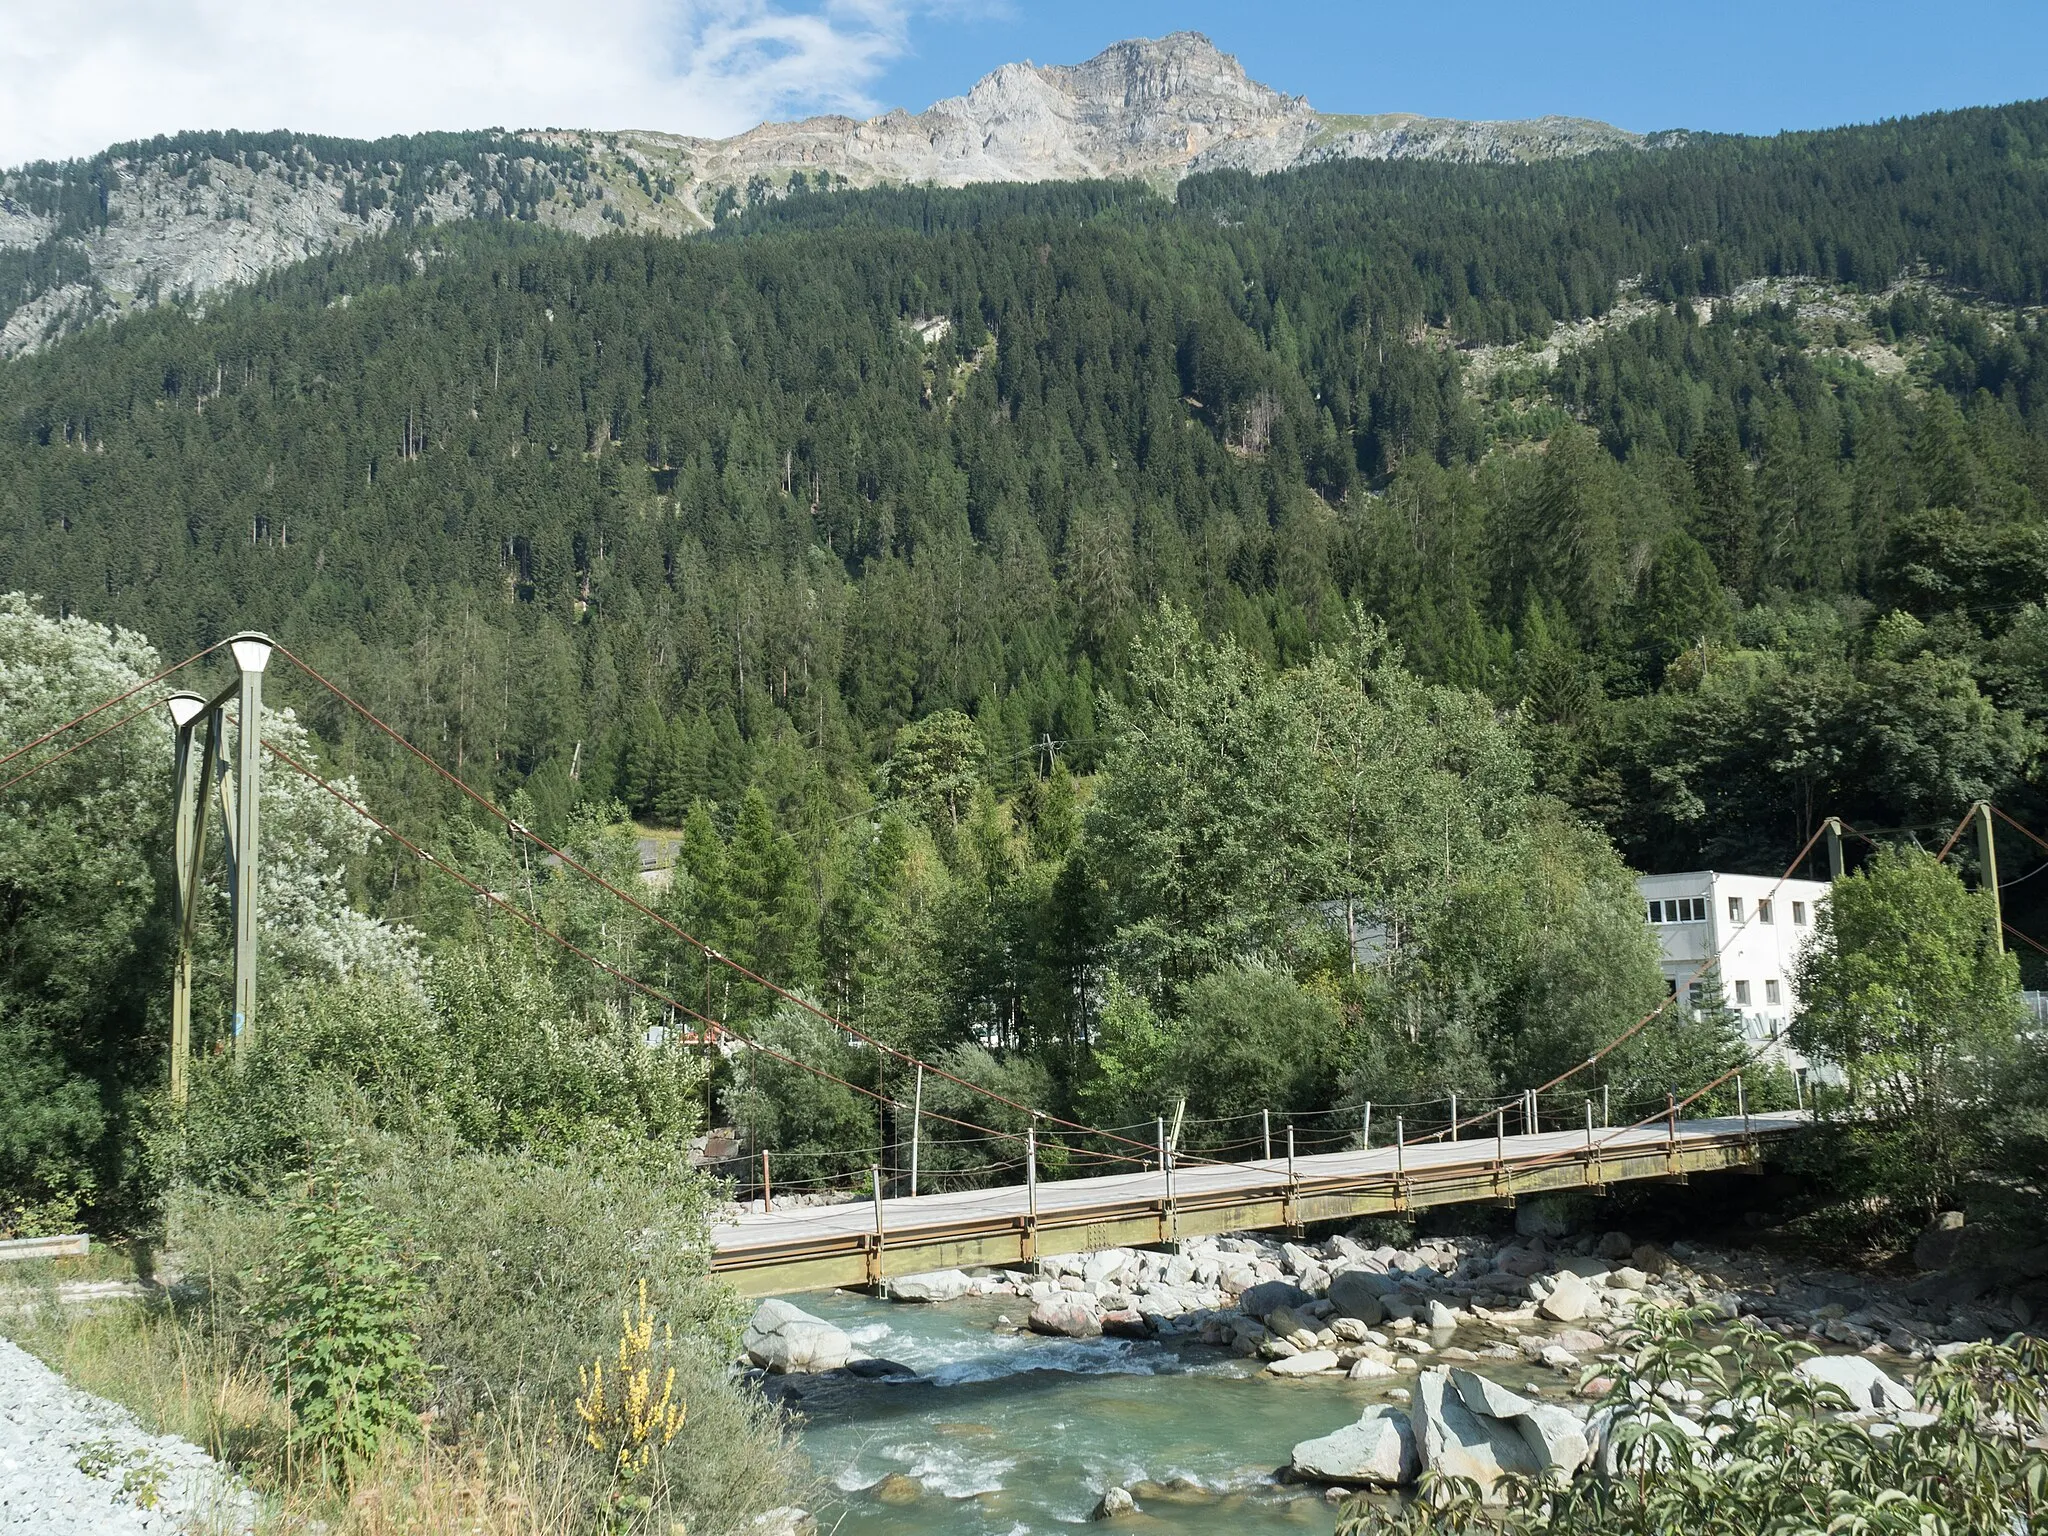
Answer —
(78, 746)
(689, 938)
(717, 1027)
(107, 704)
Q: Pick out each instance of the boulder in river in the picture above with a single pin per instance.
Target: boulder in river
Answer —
(782, 1337)
(1457, 1442)
(1554, 1435)
(1310, 1362)
(1378, 1449)
(1569, 1300)
(1356, 1293)
(1858, 1379)
(1269, 1296)
(1114, 1502)
(1067, 1314)
(939, 1285)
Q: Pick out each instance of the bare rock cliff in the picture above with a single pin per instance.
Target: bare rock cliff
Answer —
(175, 221)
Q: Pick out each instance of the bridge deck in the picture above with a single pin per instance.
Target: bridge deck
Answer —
(817, 1247)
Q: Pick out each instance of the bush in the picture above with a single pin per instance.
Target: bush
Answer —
(1777, 1455)
(490, 1056)
(531, 1263)
(336, 1305)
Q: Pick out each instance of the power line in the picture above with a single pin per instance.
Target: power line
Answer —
(77, 746)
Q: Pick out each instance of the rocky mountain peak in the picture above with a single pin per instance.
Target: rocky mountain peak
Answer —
(183, 217)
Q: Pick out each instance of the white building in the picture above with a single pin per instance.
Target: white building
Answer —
(1757, 924)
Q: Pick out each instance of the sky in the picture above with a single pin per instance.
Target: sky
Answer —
(80, 74)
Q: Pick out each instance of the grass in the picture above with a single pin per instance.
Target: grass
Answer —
(510, 1481)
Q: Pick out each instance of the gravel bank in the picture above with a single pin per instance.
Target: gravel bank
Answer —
(72, 1464)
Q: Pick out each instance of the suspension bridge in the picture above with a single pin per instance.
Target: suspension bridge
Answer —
(864, 1242)
(1157, 1193)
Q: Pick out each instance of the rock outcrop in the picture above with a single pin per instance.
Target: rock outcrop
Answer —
(192, 221)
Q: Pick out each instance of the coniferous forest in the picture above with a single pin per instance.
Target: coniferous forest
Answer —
(905, 563)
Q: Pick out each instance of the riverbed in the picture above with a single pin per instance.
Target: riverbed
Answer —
(1011, 1434)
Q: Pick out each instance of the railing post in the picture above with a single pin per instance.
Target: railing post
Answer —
(1589, 1122)
(916, 1126)
(1266, 1135)
(1671, 1119)
(767, 1189)
(1742, 1105)
(1400, 1149)
(1367, 1132)
(1166, 1221)
(1290, 1156)
(1606, 1117)
(875, 1269)
(1454, 1117)
(1031, 1172)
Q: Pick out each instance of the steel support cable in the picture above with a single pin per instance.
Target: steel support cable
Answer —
(632, 981)
(130, 693)
(78, 746)
(689, 938)
(1953, 837)
(1669, 1110)
(1642, 1023)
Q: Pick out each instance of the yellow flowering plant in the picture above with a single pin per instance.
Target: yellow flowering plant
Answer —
(625, 1415)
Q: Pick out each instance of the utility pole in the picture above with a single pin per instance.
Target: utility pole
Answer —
(1987, 869)
(252, 654)
(200, 768)
(191, 775)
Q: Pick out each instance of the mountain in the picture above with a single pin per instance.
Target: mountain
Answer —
(186, 216)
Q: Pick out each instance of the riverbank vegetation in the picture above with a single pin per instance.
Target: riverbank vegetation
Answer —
(1777, 1453)
(1130, 653)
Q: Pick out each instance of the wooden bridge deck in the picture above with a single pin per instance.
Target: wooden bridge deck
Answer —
(819, 1247)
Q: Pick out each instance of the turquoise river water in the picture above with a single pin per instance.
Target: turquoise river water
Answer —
(1008, 1434)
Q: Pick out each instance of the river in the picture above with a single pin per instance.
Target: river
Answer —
(1008, 1434)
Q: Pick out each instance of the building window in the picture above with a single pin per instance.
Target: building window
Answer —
(1742, 994)
(1696, 994)
(1771, 992)
(1671, 986)
(1798, 914)
(1679, 909)
(1763, 910)
(1734, 909)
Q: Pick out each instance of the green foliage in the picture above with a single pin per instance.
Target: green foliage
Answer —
(1908, 992)
(1778, 1455)
(492, 1055)
(336, 1306)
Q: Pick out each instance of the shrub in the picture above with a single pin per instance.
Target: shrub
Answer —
(336, 1305)
(1777, 1456)
(532, 1262)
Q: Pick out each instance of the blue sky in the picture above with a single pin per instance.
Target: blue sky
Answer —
(77, 76)
(1743, 67)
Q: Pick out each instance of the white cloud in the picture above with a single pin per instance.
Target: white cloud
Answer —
(76, 77)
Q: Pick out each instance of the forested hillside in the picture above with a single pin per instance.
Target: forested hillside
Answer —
(905, 548)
